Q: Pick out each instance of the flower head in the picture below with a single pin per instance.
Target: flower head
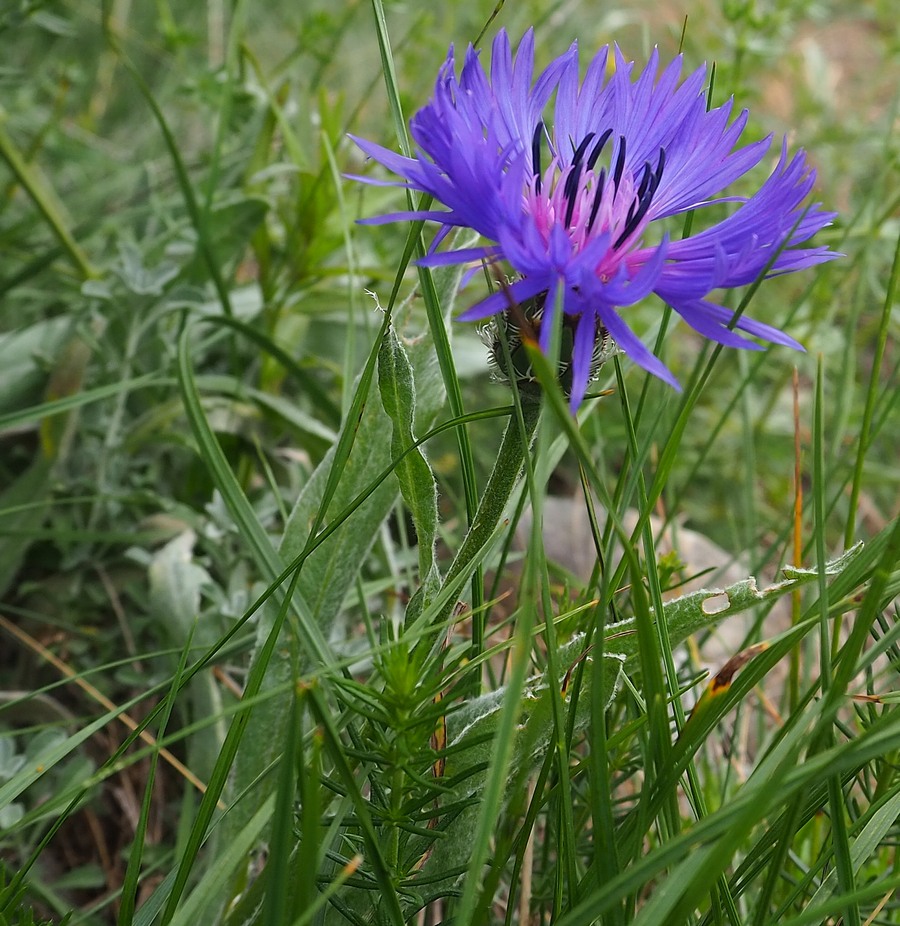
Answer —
(568, 203)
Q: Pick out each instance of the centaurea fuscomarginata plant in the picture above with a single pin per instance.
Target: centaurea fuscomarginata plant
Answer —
(568, 205)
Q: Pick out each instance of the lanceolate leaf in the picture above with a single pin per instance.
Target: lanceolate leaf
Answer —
(417, 485)
(708, 606)
(330, 571)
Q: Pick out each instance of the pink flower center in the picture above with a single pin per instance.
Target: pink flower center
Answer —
(588, 202)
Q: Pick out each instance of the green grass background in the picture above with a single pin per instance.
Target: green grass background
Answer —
(187, 341)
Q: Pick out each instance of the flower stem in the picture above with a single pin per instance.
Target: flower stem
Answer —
(504, 476)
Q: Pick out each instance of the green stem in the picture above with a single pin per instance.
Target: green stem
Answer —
(872, 397)
(43, 197)
(504, 476)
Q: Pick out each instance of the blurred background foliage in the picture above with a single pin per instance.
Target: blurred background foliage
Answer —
(171, 160)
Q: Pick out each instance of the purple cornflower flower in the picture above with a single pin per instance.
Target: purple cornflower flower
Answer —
(569, 203)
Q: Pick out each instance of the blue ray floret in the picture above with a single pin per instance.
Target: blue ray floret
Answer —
(567, 203)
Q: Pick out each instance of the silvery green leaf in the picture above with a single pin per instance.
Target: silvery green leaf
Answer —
(417, 485)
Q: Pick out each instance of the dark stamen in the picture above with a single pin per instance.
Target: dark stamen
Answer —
(635, 203)
(579, 151)
(657, 177)
(645, 180)
(570, 191)
(620, 163)
(598, 148)
(536, 155)
(636, 213)
(598, 197)
(641, 203)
